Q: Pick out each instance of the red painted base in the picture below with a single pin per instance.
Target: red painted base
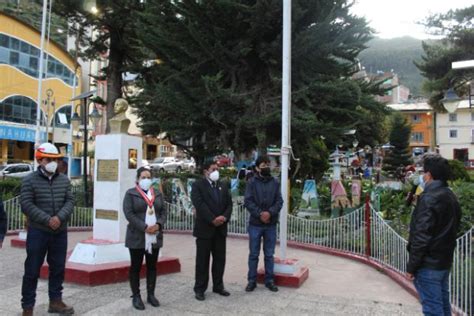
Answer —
(291, 280)
(18, 243)
(108, 273)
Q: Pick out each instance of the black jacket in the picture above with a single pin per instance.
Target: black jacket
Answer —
(208, 208)
(263, 194)
(42, 198)
(134, 208)
(3, 221)
(433, 228)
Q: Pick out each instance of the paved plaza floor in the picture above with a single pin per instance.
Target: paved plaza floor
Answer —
(335, 286)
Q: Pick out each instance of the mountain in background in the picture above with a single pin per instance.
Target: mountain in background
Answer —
(395, 54)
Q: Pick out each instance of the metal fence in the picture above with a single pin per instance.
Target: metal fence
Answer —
(347, 233)
(81, 217)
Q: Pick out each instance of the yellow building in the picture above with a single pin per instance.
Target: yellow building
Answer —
(19, 70)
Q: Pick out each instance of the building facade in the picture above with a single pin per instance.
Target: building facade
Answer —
(19, 70)
(455, 134)
(421, 117)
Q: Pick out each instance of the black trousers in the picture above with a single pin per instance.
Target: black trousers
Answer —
(136, 258)
(204, 248)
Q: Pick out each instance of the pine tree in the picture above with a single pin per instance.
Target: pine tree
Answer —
(217, 81)
(114, 22)
(457, 44)
(400, 140)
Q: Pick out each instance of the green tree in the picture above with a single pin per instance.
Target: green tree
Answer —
(400, 140)
(218, 79)
(114, 24)
(457, 45)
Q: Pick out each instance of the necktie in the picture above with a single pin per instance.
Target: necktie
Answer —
(215, 190)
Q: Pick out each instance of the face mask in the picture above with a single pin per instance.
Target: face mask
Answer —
(51, 167)
(265, 172)
(214, 176)
(421, 182)
(145, 184)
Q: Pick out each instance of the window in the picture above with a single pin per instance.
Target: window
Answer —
(453, 117)
(416, 118)
(33, 62)
(417, 137)
(14, 58)
(18, 109)
(453, 133)
(25, 57)
(472, 116)
(4, 40)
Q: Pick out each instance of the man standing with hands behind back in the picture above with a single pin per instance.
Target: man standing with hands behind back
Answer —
(263, 201)
(213, 204)
(47, 201)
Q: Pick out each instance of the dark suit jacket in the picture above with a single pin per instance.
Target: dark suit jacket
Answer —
(134, 208)
(208, 208)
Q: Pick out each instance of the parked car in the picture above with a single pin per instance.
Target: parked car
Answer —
(15, 170)
(189, 165)
(167, 164)
(223, 160)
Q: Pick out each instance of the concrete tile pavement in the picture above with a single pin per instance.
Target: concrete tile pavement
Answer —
(336, 286)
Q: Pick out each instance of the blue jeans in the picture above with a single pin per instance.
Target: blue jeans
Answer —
(433, 289)
(256, 233)
(41, 244)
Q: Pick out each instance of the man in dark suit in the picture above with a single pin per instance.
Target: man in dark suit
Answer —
(213, 203)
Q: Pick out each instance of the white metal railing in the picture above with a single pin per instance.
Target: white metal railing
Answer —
(347, 233)
(460, 281)
(15, 219)
(80, 218)
(387, 246)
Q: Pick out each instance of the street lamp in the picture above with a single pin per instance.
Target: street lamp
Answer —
(451, 101)
(75, 119)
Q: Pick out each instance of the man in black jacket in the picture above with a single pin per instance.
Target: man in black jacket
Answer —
(263, 201)
(213, 204)
(433, 228)
(47, 201)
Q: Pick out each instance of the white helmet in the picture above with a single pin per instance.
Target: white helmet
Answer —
(47, 150)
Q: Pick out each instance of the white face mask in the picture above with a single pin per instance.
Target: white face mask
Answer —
(145, 184)
(51, 167)
(214, 176)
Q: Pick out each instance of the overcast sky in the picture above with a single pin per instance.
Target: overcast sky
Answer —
(395, 18)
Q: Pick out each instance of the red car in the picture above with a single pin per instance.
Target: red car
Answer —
(223, 161)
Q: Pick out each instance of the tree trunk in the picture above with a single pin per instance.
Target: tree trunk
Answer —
(114, 75)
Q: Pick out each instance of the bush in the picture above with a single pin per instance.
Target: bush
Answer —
(465, 193)
(9, 188)
(458, 171)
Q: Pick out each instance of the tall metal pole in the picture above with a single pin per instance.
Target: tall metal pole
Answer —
(285, 123)
(84, 154)
(39, 100)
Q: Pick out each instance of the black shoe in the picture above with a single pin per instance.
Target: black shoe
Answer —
(271, 287)
(250, 287)
(137, 302)
(200, 296)
(152, 300)
(221, 292)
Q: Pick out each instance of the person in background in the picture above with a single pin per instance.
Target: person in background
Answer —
(3, 223)
(144, 209)
(213, 203)
(263, 201)
(433, 229)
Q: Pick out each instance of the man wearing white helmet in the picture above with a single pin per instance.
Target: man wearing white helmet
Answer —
(47, 201)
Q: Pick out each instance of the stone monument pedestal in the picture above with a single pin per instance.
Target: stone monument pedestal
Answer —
(104, 258)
